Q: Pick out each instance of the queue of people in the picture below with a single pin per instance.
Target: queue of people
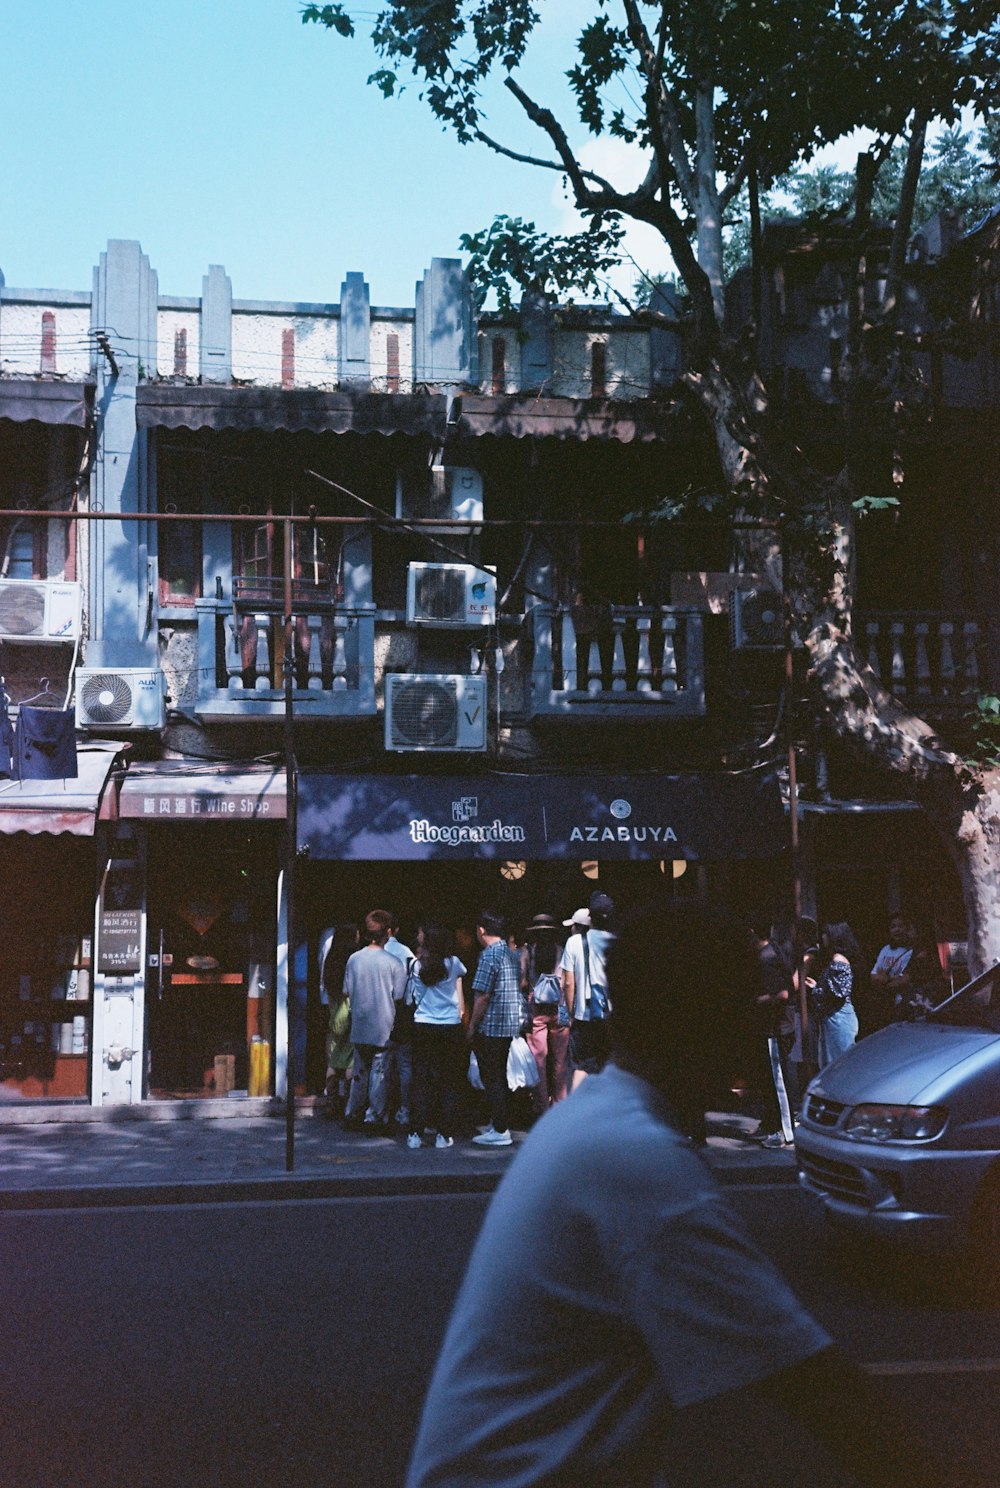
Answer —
(845, 1000)
(409, 1031)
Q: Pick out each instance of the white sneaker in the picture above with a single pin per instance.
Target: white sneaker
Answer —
(440, 1141)
(414, 1143)
(492, 1138)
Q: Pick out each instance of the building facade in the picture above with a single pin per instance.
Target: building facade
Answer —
(502, 681)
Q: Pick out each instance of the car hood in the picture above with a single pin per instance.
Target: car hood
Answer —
(897, 1064)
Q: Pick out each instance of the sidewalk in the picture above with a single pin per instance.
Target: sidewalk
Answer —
(175, 1152)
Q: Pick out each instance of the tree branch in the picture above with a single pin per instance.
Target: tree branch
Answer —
(668, 139)
(904, 215)
(553, 165)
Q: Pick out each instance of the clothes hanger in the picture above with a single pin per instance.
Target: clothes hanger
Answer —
(45, 692)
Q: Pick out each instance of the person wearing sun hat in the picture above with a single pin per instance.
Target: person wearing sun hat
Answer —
(585, 982)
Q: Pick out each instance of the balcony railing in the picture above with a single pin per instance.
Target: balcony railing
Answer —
(617, 661)
(930, 659)
(241, 648)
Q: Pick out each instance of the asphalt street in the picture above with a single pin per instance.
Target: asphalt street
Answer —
(157, 1346)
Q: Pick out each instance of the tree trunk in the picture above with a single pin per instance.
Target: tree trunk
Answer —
(962, 806)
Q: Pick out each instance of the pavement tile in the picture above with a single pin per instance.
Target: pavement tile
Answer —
(132, 1160)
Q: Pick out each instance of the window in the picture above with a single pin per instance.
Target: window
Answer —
(598, 369)
(499, 366)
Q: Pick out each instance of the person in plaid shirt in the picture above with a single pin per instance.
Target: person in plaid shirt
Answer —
(497, 1015)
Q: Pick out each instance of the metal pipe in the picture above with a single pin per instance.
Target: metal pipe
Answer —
(288, 668)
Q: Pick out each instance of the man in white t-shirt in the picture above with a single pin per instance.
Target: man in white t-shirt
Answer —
(612, 1285)
(585, 985)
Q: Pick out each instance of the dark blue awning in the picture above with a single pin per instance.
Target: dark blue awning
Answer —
(532, 817)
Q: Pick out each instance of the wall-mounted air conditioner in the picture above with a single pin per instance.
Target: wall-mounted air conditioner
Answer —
(444, 713)
(450, 594)
(40, 611)
(120, 698)
(756, 620)
(440, 493)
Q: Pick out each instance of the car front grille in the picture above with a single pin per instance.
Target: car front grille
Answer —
(839, 1179)
(823, 1112)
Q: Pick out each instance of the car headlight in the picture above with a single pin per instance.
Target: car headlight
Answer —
(877, 1123)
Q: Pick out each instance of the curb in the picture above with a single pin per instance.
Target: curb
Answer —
(286, 1187)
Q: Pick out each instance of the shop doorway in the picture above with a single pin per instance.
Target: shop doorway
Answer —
(211, 916)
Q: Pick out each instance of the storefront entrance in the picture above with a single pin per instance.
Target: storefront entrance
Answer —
(210, 988)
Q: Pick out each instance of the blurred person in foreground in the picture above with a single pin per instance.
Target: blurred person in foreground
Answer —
(612, 1286)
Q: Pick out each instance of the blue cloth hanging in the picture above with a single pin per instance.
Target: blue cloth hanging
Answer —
(45, 744)
(6, 736)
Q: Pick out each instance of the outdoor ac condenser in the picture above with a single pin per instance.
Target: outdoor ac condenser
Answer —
(756, 620)
(40, 611)
(453, 595)
(120, 698)
(435, 713)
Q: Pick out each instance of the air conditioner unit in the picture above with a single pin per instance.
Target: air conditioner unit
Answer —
(120, 698)
(445, 713)
(440, 493)
(40, 611)
(450, 594)
(756, 620)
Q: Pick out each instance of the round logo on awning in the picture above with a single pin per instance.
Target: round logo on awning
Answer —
(621, 809)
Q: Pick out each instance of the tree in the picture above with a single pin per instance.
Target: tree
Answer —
(718, 97)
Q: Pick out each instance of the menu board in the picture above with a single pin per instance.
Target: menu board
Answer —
(119, 948)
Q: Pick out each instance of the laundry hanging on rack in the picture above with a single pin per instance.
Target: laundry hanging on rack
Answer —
(45, 744)
(6, 735)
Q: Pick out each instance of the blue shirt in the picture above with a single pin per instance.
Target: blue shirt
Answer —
(499, 975)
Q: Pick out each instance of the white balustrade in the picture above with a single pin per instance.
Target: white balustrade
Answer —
(915, 655)
(629, 655)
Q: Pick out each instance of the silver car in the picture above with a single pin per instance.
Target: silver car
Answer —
(900, 1136)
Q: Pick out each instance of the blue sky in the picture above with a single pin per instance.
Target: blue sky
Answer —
(226, 131)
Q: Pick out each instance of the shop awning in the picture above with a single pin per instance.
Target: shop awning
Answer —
(23, 399)
(518, 416)
(208, 795)
(169, 406)
(524, 817)
(57, 806)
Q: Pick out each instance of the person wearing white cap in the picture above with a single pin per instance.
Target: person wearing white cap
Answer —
(585, 979)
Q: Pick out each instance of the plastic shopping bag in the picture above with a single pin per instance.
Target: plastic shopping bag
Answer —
(521, 1067)
(475, 1078)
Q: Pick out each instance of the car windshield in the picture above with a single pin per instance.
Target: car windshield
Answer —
(976, 1005)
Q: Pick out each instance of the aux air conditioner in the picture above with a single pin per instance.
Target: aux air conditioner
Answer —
(440, 493)
(443, 713)
(756, 620)
(120, 698)
(40, 612)
(450, 594)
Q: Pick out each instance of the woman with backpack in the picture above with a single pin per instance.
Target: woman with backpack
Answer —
(548, 1032)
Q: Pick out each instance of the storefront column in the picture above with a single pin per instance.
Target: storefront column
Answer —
(281, 995)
